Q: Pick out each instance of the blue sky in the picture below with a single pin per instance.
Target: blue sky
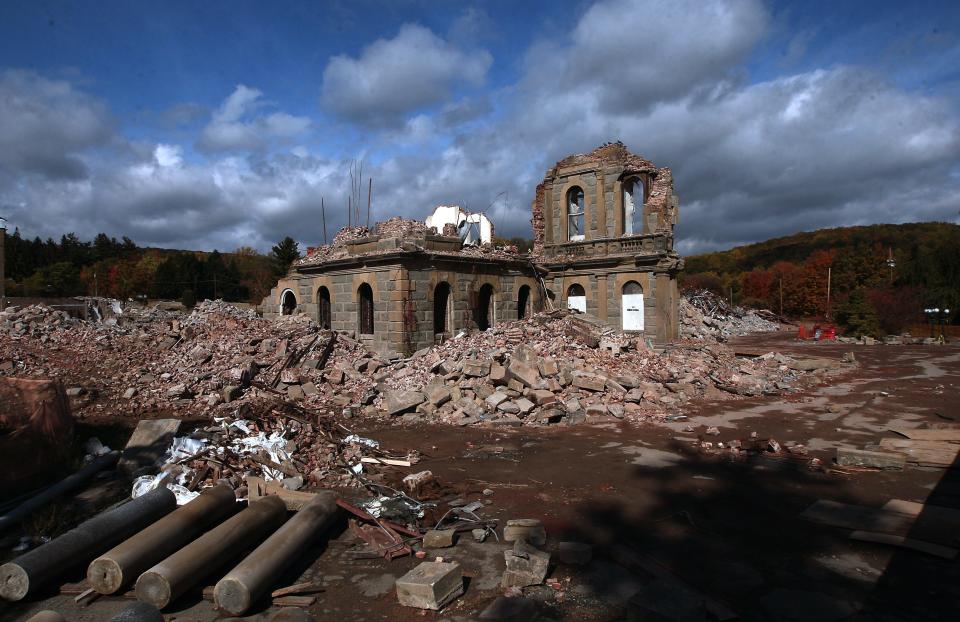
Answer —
(221, 124)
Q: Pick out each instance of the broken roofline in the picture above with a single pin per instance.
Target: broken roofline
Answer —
(393, 256)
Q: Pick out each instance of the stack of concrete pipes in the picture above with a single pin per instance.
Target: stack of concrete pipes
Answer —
(164, 551)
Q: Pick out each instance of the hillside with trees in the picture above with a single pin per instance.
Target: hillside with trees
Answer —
(881, 277)
(120, 269)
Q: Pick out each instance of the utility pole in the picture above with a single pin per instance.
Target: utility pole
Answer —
(829, 274)
(3, 284)
(369, 193)
(323, 215)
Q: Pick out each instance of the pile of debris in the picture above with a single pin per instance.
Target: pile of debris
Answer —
(706, 316)
(565, 367)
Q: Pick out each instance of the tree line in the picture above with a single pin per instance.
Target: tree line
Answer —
(120, 269)
(880, 277)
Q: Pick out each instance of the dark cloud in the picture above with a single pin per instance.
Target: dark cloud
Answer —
(45, 125)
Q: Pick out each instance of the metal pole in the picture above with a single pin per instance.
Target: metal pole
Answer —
(32, 570)
(63, 486)
(369, 194)
(252, 577)
(323, 215)
(185, 568)
(122, 564)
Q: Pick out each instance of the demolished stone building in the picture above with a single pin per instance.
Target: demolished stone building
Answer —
(603, 244)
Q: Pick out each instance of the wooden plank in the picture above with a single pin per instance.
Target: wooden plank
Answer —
(294, 601)
(887, 460)
(930, 548)
(294, 499)
(924, 453)
(299, 588)
(947, 434)
(149, 441)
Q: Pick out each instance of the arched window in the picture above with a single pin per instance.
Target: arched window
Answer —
(577, 298)
(365, 309)
(441, 309)
(633, 206)
(288, 303)
(484, 312)
(523, 302)
(632, 306)
(575, 214)
(323, 307)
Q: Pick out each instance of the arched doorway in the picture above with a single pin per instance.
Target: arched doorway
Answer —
(577, 298)
(365, 309)
(288, 303)
(632, 306)
(323, 307)
(484, 313)
(442, 320)
(523, 302)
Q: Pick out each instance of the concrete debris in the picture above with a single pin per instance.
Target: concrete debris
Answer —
(431, 585)
(226, 362)
(525, 565)
(706, 316)
(528, 529)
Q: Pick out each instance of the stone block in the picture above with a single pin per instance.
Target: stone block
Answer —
(230, 393)
(476, 368)
(524, 405)
(548, 367)
(509, 407)
(495, 399)
(498, 374)
(438, 394)
(544, 398)
(295, 392)
(399, 402)
(525, 565)
(529, 529)
(528, 375)
(431, 585)
(309, 388)
(588, 381)
(439, 538)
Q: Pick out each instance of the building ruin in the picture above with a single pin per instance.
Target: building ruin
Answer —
(603, 244)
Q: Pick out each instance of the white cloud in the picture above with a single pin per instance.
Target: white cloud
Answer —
(395, 77)
(168, 155)
(235, 127)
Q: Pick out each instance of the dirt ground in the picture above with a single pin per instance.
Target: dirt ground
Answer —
(730, 530)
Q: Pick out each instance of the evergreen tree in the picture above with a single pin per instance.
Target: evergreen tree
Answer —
(284, 254)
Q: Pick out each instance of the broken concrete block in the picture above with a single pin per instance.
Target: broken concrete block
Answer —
(529, 529)
(526, 565)
(438, 394)
(399, 402)
(129, 393)
(335, 376)
(476, 368)
(524, 405)
(509, 407)
(548, 367)
(498, 374)
(596, 410)
(439, 538)
(617, 410)
(528, 375)
(544, 398)
(877, 459)
(495, 399)
(588, 381)
(309, 388)
(431, 585)
(575, 553)
(295, 392)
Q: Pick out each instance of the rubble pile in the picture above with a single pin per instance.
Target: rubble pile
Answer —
(222, 361)
(564, 367)
(704, 315)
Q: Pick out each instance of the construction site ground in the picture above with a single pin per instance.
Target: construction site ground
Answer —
(652, 502)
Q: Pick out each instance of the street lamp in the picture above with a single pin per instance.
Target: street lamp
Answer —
(891, 263)
(936, 315)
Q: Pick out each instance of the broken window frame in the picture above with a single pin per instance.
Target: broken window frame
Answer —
(633, 219)
(324, 308)
(524, 306)
(576, 214)
(442, 304)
